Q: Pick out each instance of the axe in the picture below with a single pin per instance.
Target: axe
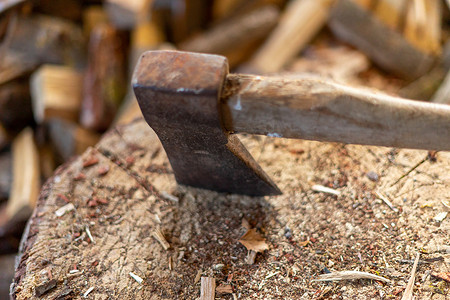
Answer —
(195, 106)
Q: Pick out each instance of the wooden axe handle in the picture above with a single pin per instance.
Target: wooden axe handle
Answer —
(315, 109)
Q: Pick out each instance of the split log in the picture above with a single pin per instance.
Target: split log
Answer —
(104, 82)
(300, 22)
(14, 66)
(423, 25)
(146, 36)
(27, 49)
(56, 92)
(236, 38)
(386, 47)
(26, 176)
(391, 12)
(24, 190)
(63, 43)
(69, 139)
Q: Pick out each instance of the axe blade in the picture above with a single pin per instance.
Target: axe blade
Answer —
(178, 94)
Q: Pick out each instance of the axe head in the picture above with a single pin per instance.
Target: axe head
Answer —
(178, 93)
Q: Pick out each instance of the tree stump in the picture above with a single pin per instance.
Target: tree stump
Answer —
(104, 220)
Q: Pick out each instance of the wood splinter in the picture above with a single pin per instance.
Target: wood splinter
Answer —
(157, 234)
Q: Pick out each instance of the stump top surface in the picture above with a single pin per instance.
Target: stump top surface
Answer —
(119, 193)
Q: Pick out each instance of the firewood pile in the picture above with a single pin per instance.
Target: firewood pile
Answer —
(66, 67)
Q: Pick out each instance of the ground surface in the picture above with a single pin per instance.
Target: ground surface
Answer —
(309, 233)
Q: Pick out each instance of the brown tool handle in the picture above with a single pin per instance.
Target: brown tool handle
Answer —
(315, 109)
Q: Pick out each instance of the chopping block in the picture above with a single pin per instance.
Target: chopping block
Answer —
(196, 107)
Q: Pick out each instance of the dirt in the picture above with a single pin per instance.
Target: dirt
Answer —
(309, 233)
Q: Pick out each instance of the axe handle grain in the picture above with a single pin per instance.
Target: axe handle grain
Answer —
(319, 110)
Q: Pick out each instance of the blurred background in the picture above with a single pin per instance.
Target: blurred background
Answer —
(65, 68)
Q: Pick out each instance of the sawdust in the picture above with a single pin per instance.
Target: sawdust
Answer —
(309, 233)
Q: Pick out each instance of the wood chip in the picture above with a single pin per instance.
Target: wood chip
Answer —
(224, 289)
(385, 200)
(90, 162)
(272, 274)
(245, 224)
(136, 277)
(442, 275)
(103, 170)
(45, 287)
(252, 240)
(88, 291)
(324, 189)
(198, 276)
(62, 210)
(100, 200)
(350, 275)
(408, 294)
(79, 177)
(157, 234)
(446, 203)
(251, 256)
(169, 197)
(441, 216)
(88, 232)
(208, 288)
(63, 197)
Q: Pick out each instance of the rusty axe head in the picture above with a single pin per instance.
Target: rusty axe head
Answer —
(178, 93)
